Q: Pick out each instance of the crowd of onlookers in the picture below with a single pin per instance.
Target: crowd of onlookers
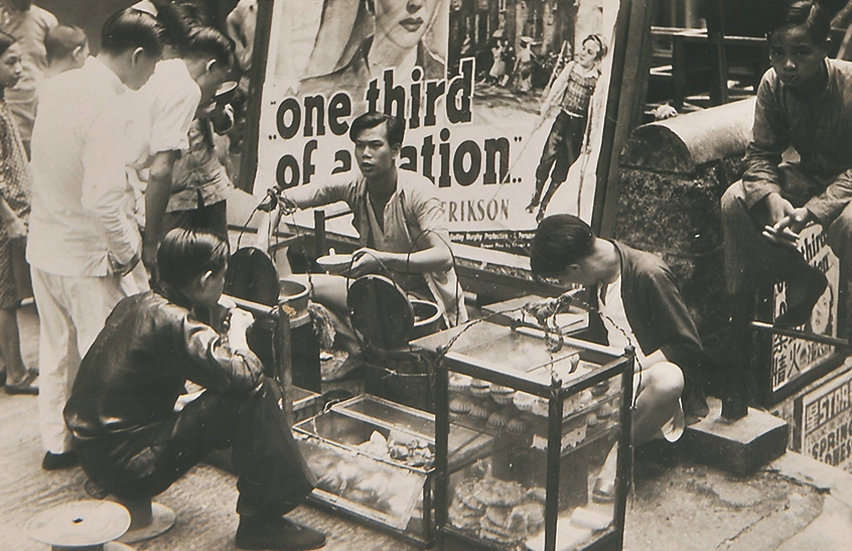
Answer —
(101, 156)
(113, 187)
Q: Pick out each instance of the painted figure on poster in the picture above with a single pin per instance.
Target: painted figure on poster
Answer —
(572, 91)
(358, 40)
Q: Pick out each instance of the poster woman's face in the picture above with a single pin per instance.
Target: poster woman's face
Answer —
(404, 22)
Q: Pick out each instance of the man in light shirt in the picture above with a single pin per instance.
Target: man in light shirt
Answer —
(82, 237)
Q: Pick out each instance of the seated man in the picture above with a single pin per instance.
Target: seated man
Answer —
(804, 101)
(639, 305)
(126, 433)
(399, 221)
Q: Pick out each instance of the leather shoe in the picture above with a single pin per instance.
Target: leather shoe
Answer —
(56, 461)
(276, 533)
(808, 288)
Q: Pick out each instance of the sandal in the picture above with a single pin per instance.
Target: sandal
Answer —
(27, 386)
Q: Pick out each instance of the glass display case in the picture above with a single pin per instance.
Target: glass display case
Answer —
(557, 416)
(375, 460)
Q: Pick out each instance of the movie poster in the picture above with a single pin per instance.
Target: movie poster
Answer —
(503, 101)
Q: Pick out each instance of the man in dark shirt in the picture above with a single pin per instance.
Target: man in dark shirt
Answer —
(639, 305)
(127, 433)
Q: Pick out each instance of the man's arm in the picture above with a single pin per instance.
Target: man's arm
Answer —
(104, 191)
(770, 138)
(156, 199)
(679, 340)
(434, 257)
(215, 363)
(826, 206)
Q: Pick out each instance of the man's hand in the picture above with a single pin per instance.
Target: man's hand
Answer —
(122, 269)
(149, 259)
(786, 231)
(785, 220)
(777, 208)
(240, 322)
(365, 261)
(15, 228)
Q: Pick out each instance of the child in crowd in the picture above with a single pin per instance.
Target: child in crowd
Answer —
(67, 48)
(572, 90)
(15, 183)
(131, 441)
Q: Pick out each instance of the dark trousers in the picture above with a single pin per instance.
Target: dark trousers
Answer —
(212, 218)
(750, 258)
(561, 149)
(273, 475)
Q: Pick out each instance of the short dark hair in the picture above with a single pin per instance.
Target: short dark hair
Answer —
(129, 29)
(207, 41)
(6, 40)
(179, 20)
(185, 254)
(393, 125)
(560, 240)
(61, 40)
(814, 15)
(597, 39)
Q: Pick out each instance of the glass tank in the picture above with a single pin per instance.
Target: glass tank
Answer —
(374, 459)
(551, 479)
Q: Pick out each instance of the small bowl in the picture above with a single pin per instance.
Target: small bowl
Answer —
(293, 294)
(427, 318)
(334, 263)
(225, 92)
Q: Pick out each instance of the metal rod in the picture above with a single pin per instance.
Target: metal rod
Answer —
(814, 337)
(554, 454)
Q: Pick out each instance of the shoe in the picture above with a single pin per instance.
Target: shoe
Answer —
(798, 312)
(26, 386)
(531, 207)
(277, 533)
(603, 490)
(695, 405)
(95, 490)
(56, 461)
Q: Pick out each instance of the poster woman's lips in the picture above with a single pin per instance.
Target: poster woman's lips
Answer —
(411, 24)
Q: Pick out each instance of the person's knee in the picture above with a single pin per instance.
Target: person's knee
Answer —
(665, 381)
(732, 200)
(839, 232)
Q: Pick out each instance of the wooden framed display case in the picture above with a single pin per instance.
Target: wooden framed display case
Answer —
(551, 419)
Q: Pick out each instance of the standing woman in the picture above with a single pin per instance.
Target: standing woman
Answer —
(29, 24)
(15, 182)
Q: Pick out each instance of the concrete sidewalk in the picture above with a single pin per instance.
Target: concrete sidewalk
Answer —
(795, 503)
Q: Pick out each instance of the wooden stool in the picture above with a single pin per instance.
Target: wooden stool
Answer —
(147, 519)
(85, 525)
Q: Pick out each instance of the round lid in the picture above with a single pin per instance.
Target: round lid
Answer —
(79, 524)
(380, 311)
(252, 276)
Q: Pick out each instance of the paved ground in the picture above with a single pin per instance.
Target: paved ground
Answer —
(794, 504)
